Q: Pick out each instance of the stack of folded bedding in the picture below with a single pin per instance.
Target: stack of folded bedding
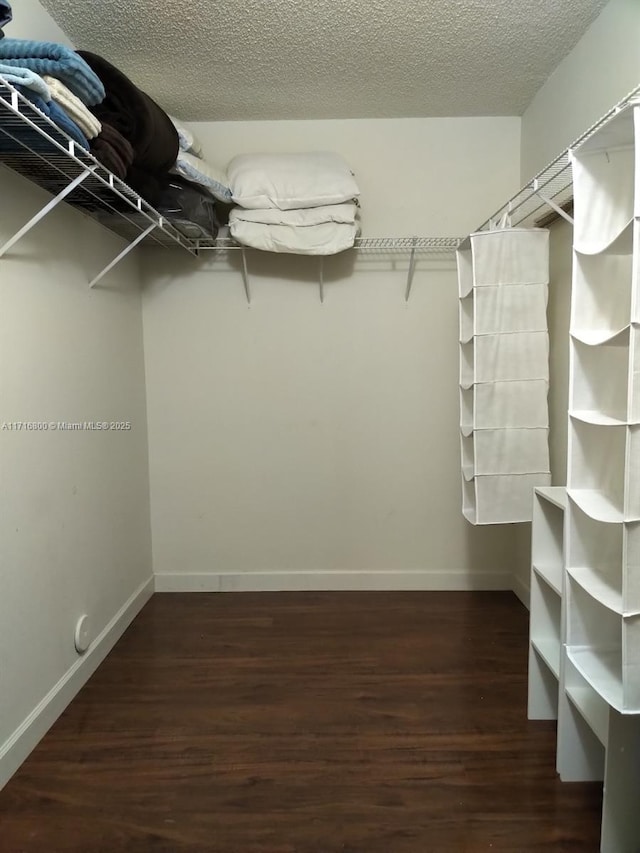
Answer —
(99, 107)
(56, 60)
(192, 210)
(73, 106)
(191, 165)
(24, 64)
(130, 116)
(304, 204)
(195, 197)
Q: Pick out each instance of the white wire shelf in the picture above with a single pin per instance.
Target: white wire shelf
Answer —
(32, 145)
(551, 188)
(36, 148)
(430, 245)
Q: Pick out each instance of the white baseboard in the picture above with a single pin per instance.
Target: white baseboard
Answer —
(329, 581)
(522, 590)
(14, 751)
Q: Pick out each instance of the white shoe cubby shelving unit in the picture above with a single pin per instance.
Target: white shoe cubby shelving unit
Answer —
(35, 147)
(603, 477)
(602, 584)
(584, 656)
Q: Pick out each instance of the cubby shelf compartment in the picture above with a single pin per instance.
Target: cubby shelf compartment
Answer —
(604, 469)
(604, 559)
(545, 621)
(605, 648)
(547, 558)
(601, 305)
(603, 186)
(603, 378)
(592, 707)
(545, 626)
(583, 727)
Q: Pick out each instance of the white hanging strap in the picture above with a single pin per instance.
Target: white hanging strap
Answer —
(551, 203)
(321, 279)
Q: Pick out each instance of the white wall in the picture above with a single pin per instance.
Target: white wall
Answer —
(74, 517)
(601, 69)
(32, 21)
(298, 438)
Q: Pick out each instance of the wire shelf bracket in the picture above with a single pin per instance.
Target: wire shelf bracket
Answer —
(51, 205)
(245, 277)
(555, 207)
(412, 268)
(122, 254)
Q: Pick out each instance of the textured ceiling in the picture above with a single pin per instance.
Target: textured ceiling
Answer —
(302, 59)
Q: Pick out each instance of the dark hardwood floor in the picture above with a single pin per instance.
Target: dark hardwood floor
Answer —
(305, 723)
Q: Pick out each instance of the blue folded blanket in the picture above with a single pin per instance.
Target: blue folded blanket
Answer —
(46, 57)
(25, 77)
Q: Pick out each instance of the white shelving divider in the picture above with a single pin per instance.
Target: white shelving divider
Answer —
(599, 705)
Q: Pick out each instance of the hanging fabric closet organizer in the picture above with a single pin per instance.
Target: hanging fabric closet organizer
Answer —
(503, 277)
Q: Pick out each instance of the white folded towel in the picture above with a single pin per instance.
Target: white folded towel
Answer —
(74, 107)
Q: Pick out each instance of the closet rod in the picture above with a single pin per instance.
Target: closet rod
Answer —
(552, 187)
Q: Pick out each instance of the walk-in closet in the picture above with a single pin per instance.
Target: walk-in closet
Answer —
(320, 427)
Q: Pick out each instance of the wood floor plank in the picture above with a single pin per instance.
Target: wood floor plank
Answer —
(305, 723)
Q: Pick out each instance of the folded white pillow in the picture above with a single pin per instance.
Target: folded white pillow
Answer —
(288, 181)
(326, 238)
(302, 218)
(187, 139)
